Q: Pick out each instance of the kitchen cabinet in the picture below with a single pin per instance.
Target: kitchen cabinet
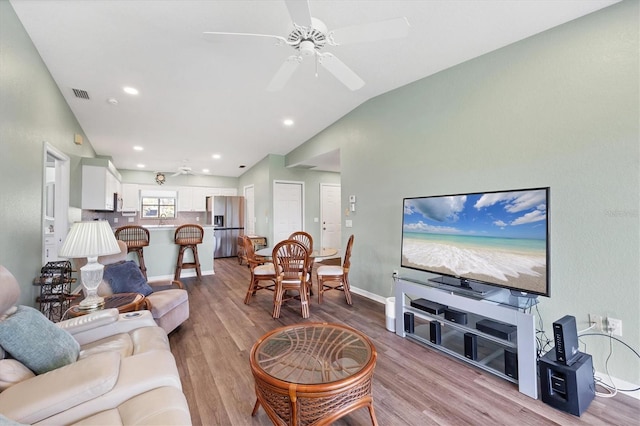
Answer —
(193, 198)
(99, 186)
(130, 197)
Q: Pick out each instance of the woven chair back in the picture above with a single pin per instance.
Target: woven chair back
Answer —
(133, 236)
(189, 234)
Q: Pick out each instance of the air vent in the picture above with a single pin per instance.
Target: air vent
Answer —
(82, 94)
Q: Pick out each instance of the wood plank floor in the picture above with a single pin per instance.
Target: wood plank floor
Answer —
(413, 385)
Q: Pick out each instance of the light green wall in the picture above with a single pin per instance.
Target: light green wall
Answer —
(273, 168)
(559, 109)
(32, 111)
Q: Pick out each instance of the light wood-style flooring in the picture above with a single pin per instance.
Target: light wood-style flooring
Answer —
(413, 385)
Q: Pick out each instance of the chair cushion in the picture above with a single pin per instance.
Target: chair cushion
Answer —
(36, 342)
(266, 269)
(13, 371)
(126, 277)
(330, 270)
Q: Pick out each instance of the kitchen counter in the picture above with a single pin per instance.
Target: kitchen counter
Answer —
(161, 255)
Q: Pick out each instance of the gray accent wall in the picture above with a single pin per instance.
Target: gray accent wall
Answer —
(559, 109)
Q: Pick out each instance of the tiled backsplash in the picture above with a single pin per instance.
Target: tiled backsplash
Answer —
(183, 217)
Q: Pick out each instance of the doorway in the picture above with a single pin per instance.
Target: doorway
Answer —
(250, 211)
(330, 207)
(288, 209)
(55, 202)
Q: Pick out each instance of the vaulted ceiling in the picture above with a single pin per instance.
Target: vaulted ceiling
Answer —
(200, 96)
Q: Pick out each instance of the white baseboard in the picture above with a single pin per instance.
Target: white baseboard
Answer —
(184, 274)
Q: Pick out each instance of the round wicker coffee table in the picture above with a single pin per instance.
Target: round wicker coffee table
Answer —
(313, 373)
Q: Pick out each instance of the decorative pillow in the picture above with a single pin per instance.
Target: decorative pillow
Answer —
(36, 342)
(13, 371)
(126, 277)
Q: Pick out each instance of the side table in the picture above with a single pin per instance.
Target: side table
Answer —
(313, 373)
(124, 302)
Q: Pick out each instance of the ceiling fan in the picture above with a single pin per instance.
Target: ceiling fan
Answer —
(183, 170)
(310, 36)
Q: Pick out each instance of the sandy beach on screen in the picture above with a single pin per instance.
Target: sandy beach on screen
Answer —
(512, 269)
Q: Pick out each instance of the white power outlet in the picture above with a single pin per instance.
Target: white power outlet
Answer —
(597, 320)
(395, 273)
(615, 326)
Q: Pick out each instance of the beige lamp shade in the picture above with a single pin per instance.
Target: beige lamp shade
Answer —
(90, 239)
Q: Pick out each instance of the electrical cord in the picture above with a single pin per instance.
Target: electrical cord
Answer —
(612, 388)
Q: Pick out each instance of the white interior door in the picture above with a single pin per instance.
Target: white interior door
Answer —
(330, 207)
(250, 211)
(288, 202)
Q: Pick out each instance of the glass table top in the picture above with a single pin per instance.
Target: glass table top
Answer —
(313, 353)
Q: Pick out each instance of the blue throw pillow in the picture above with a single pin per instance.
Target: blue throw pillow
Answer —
(36, 342)
(126, 277)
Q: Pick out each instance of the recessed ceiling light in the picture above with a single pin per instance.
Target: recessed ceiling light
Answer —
(242, 166)
(216, 156)
(287, 122)
(138, 148)
(141, 166)
(130, 90)
(205, 170)
(112, 101)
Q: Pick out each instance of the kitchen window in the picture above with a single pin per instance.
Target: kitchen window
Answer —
(158, 207)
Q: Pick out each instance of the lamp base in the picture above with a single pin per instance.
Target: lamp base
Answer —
(91, 303)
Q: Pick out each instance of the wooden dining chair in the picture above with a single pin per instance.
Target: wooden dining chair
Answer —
(287, 257)
(335, 277)
(261, 270)
(306, 239)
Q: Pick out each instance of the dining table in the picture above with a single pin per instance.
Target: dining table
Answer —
(323, 253)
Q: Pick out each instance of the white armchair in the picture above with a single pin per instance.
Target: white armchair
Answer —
(103, 367)
(169, 302)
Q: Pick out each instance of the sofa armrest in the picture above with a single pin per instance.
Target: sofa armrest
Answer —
(106, 323)
(89, 321)
(58, 390)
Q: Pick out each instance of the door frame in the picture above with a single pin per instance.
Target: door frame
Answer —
(61, 194)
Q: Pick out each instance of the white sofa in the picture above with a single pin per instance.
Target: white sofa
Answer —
(100, 368)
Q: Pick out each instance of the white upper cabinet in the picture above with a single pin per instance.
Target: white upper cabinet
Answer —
(99, 186)
(130, 197)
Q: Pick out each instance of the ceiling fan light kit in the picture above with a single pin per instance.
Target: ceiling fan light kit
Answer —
(310, 35)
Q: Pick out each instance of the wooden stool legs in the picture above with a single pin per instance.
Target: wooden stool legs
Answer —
(181, 265)
(139, 251)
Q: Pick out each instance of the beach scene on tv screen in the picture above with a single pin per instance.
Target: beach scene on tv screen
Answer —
(495, 237)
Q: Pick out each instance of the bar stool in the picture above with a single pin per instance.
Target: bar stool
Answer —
(136, 238)
(188, 237)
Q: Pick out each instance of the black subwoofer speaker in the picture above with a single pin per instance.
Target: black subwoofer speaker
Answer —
(569, 388)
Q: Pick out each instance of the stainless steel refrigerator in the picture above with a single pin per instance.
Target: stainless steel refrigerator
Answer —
(226, 214)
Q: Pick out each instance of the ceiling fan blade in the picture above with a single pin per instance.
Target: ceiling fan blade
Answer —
(284, 73)
(221, 33)
(299, 12)
(342, 72)
(374, 31)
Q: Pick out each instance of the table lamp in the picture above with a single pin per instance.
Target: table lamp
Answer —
(90, 240)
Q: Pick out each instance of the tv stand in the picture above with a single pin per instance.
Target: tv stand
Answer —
(492, 349)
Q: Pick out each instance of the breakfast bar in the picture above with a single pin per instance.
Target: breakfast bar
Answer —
(162, 253)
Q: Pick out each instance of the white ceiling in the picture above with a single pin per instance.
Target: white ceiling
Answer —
(201, 96)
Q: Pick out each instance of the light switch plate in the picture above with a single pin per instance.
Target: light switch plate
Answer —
(348, 223)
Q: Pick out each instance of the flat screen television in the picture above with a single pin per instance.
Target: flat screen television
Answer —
(498, 238)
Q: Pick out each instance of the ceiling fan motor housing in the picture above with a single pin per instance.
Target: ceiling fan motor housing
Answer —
(308, 39)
